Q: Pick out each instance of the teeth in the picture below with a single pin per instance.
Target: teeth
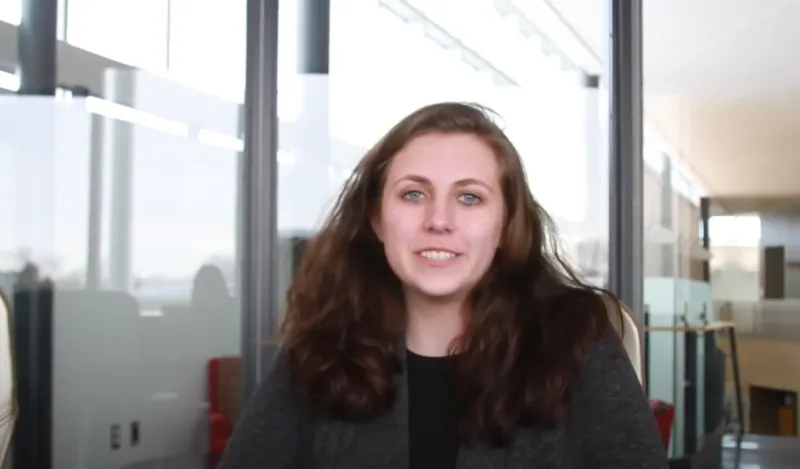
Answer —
(437, 255)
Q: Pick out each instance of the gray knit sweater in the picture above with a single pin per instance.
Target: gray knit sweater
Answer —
(609, 426)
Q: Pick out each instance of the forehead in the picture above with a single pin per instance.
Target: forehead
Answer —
(438, 156)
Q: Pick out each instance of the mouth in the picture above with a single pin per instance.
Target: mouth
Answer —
(437, 255)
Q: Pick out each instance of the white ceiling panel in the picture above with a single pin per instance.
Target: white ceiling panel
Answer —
(722, 84)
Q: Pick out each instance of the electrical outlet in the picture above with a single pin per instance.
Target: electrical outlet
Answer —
(135, 433)
(115, 436)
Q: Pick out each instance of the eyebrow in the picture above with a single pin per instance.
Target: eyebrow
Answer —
(460, 183)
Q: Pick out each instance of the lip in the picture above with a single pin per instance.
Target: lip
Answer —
(434, 248)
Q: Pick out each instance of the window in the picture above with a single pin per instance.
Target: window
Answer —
(735, 230)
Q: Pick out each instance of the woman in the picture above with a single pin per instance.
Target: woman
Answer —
(430, 326)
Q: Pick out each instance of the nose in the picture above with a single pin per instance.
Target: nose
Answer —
(439, 217)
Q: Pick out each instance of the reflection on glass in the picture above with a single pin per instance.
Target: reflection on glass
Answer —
(127, 210)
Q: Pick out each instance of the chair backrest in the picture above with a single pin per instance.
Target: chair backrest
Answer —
(225, 390)
(628, 330)
(8, 404)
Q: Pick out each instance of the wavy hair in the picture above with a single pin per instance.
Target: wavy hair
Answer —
(531, 318)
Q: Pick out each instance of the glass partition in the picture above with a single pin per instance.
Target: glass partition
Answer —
(120, 252)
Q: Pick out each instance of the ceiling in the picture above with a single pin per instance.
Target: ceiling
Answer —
(722, 85)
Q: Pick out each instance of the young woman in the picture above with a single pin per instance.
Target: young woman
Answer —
(430, 325)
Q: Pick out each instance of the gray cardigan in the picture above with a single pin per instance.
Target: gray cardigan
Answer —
(609, 426)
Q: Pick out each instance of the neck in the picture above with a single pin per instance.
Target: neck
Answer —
(432, 327)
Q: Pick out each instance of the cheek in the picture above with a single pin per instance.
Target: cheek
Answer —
(485, 233)
(398, 230)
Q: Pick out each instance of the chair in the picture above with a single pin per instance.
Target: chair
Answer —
(663, 412)
(8, 404)
(224, 395)
(628, 330)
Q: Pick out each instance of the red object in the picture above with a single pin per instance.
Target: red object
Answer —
(664, 413)
(224, 376)
(219, 428)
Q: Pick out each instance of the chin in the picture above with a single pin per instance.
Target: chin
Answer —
(439, 290)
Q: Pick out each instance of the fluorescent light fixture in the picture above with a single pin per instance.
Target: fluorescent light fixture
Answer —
(134, 116)
(217, 139)
(105, 108)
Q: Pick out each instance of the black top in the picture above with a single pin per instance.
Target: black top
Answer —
(433, 416)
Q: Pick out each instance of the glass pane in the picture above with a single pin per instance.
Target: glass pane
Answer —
(124, 214)
(682, 105)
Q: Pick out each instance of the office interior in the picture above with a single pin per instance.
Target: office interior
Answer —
(162, 163)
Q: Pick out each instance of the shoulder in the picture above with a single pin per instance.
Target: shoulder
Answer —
(611, 411)
(271, 426)
(275, 403)
(609, 368)
(276, 386)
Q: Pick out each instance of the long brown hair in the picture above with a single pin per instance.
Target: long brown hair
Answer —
(530, 321)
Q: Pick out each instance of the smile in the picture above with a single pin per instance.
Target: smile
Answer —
(437, 255)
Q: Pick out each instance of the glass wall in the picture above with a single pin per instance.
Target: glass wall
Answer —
(122, 211)
(688, 346)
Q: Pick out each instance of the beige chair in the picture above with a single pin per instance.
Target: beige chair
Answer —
(629, 333)
(8, 404)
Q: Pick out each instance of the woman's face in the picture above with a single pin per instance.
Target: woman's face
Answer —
(442, 214)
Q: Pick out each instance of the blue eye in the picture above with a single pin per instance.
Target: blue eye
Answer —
(413, 195)
(470, 199)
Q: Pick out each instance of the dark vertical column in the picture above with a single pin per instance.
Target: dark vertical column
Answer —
(625, 157)
(705, 241)
(37, 47)
(260, 181)
(692, 377)
(33, 300)
(33, 333)
(737, 382)
(314, 32)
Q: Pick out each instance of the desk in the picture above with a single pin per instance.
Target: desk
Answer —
(717, 326)
(700, 387)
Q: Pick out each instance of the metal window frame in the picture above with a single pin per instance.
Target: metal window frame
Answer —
(624, 70)
(259, 176)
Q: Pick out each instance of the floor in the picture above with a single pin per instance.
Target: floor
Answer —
(761, 452)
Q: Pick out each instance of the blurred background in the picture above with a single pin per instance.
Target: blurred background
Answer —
(162, 163)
